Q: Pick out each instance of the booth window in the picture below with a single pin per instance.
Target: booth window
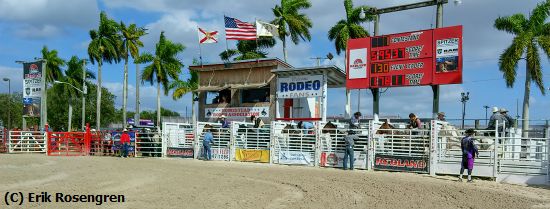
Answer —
(255, 95)
(218, 97)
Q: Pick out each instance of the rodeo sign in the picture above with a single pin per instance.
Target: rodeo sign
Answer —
(300, 86)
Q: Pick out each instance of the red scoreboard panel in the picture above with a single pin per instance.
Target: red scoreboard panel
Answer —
(416, 58)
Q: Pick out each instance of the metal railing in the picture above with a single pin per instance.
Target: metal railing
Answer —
(27, 142)
(294, 146)
(148, 144)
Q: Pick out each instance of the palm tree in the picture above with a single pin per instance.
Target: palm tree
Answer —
(129, 47)
(350, 27)
(74, 78)
(249, 49)
(165, 66)
(103, 47)
(291, 22)
(53, 64)
(183, 87)
(530, 35)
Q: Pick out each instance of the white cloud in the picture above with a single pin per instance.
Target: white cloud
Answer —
(47, 18)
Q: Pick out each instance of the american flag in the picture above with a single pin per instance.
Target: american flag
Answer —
(239, 30)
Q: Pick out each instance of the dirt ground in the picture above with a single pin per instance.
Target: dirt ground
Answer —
(183, 183)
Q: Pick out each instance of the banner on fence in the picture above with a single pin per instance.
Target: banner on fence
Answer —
(332, 159)
(252, 155)
(237, 112)
(401, 163)
(295, 158)
(180, 152)
(217, 153)
(115, 135)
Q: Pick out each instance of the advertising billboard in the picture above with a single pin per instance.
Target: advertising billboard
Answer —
(300, 86)
(427, 57)
(33, 83)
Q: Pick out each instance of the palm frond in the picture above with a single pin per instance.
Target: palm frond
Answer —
(534, 68)
(508, 62)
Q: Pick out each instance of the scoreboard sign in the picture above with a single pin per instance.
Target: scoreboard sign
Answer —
(428, 57)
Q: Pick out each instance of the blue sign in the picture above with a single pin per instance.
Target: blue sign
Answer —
(300, 86)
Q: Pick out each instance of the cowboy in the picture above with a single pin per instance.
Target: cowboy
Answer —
(306, 126)
(441, 116)
(348, 152)
(125, 141)
(207, 144)
(496, 117)
(414, 122)
(224, 122)
(507, 118)
(469, 153)
(354, 122)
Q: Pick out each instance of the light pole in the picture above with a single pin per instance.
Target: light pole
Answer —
(329, 57)
(486, 108)
(83, 95)
(9, 102)
(84, 91)
(464, 99)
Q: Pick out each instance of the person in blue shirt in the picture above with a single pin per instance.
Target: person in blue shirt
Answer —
(224, 122)
(207, 144)
(355, 120)
(306, 126)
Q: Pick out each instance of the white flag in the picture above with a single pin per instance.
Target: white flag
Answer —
(266, 29)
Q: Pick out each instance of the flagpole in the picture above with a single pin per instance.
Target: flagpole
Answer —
(256, 23)
(225, 31)
(200, 46)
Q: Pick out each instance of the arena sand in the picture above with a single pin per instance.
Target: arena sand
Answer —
(182, 183)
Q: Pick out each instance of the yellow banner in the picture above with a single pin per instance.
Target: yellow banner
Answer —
(252, 155)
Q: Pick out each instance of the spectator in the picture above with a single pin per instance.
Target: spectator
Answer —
(207, 144)
(507, 118)
(125, 142)
(306, 126)
(258, 122)
(354, 122)
(441, 116)
(469, 153)
(414, 122)
(348, 152)
(224, 122)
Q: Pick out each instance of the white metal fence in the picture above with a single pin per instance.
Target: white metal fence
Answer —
(148, 144)
(292, 146)
(247, 139)
(26, 142)
(221, 143)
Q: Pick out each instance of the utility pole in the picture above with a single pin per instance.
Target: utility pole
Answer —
(486, 108)
(9, 102)
(84, 94)
(464, 99)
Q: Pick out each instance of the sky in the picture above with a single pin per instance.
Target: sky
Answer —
(64, 25)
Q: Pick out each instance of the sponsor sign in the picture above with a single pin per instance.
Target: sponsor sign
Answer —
(336, 159)
(252, 155)
(115, 135)
(295, 158)
(33, 82)
(217, 153)
(300, 86)
(142, 122)
(427, 57)
(237, 112)
(401, 163)
(180, 152)
(357, 64)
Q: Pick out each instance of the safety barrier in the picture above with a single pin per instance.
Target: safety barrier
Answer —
(221, 147)
(101, 143)
(3, 140)
(333, 145)
(68, 143)
(251, 144)
(26, 142)
(178, 140)
(147, 144)
(292, 146)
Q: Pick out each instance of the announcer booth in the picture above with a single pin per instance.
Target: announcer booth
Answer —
(237, 90)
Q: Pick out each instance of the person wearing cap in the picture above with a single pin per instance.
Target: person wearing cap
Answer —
(469, 153)
(258, 122)
(354, 122)
(224, 122)
(507, 118)
(348, 152)
(496, 117)
(441, 116)
(125, 141)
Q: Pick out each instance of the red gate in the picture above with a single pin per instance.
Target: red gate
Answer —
(69, 143)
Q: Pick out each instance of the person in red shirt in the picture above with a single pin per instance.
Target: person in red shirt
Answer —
(125, 141)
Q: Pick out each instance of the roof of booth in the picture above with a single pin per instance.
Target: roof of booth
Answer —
(262, 62)
(336, 76)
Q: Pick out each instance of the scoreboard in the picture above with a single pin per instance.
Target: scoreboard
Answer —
(427, 57)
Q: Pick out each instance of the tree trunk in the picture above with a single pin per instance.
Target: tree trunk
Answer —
(284, 48)
(98, 102)
(137, 96)
(70, 115)
(525, 122)
(125, 94)
(158, 106)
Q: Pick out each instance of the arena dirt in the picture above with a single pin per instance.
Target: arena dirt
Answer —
(182, 183)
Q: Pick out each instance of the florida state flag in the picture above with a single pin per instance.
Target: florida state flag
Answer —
(206, 37)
